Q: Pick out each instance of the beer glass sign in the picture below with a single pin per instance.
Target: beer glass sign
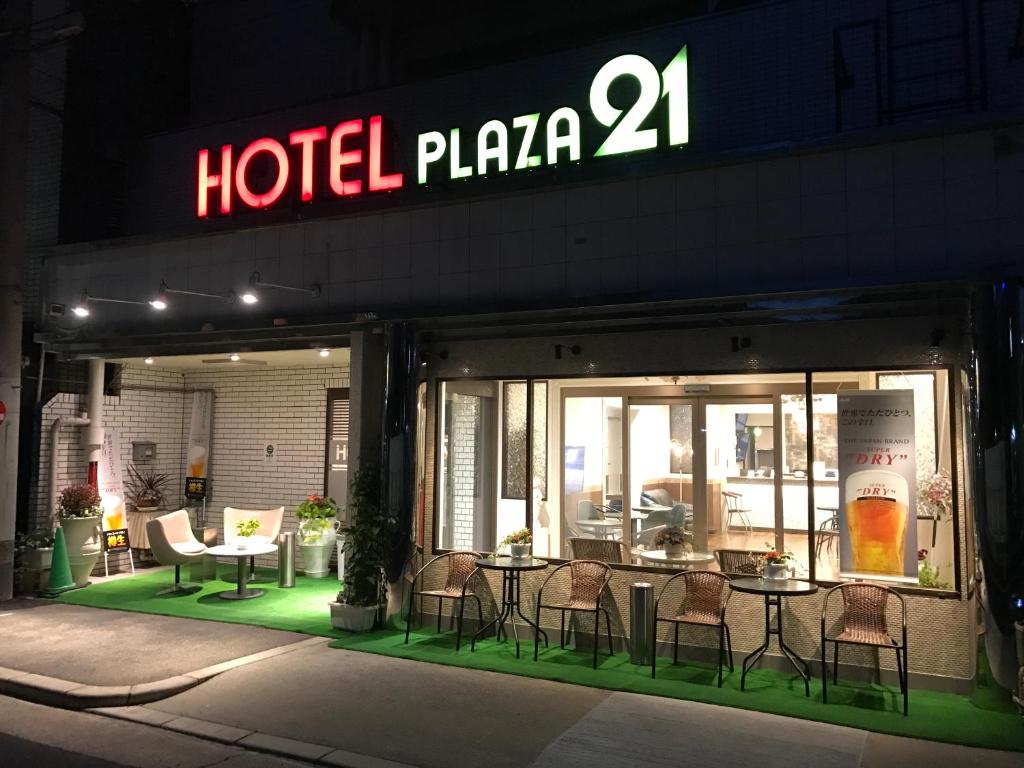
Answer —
(877, 485)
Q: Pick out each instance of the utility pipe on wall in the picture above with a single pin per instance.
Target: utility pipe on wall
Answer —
(92, 438)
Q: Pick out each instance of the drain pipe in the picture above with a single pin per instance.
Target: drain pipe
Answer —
(59, 423)
(92, 438)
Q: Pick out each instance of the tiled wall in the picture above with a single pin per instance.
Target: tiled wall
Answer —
(909, 211)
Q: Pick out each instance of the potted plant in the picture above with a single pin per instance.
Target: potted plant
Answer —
(776, 563)
(935, 497)
(80, 514)
(928, 575)
(366, 546)
(519, 543)
(318, 529)
(146, 489)
(245, 529)
(673, 540)
(34, 550)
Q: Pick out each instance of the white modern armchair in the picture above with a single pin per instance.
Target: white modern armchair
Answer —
(269, 530)
(172, 542)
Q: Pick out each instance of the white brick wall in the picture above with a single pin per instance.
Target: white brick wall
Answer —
(283, 406)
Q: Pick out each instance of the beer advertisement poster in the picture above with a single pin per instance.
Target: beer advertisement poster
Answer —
(877, 485)
(198, 455)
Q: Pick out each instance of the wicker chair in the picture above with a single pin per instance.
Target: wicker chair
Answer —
(703, 605)
(741, 561)
(461, 567)
(602, 550)
(864, 623)
(589, 579)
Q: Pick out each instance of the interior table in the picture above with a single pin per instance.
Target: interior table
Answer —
(605, 528)
(774, 590)
(241, 591)
(684, 560)
(510, 568)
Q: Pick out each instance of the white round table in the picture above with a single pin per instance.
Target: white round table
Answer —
(242, 591)
(685, 560)
(602, 527)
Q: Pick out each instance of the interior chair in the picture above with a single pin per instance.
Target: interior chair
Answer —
(864, 622)
(603, 550)
(461, 566)
(744, 562)
(588, 581)
(173, 543)
(827, 535)
(657, 496)
(270, 529)
(703, 604)
(588, 510)
(734, 508)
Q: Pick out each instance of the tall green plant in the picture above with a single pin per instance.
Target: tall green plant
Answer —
(366, 542)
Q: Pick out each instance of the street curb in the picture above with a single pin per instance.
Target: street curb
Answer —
(251, 741)
(67, 694)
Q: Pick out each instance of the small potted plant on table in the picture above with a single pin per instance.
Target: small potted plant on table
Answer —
(245, 529)
(317, 531)
(519, 543)
(673, 540)
(777, 564)
(80, 514)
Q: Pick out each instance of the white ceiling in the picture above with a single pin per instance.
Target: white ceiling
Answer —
(289, 358)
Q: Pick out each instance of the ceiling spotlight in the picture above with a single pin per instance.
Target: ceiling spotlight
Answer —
(81, 308)
(158, 304)
(249, 297)
(235, 357)
(148, 361)
(325, 353)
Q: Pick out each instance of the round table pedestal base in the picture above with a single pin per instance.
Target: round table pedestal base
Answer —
(248, 594)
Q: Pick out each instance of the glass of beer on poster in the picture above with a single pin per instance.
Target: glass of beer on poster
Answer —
(877, 515)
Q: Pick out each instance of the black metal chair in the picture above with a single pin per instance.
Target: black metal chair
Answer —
(864, 623)
(461, 568)
(589, 579)
(703, 605)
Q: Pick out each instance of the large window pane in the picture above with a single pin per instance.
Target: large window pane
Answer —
(929, 503)
(660, 470)
(592, 468)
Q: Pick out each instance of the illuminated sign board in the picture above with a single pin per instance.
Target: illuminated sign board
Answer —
(356, 158)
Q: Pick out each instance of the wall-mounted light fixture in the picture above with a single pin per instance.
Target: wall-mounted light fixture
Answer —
(82, 306)
(166, 289)
(251, 296)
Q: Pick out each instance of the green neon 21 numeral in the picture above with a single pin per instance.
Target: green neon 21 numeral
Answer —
(626, 134)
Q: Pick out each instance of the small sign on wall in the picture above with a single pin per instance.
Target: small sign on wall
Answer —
(269, 452)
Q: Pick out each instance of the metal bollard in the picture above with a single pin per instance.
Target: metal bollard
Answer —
(286, 559)
(641, 614)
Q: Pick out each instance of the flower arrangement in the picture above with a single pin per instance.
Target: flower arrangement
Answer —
(246, 528)
(672, 535)
(927, 574)
(316, 507)
(775, 557)
(935, 496)
(80, 501)
(314, 514)
(24, 542)
(522, 536)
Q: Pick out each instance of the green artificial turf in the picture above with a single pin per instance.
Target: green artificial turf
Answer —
(984, 720)
(302, 608)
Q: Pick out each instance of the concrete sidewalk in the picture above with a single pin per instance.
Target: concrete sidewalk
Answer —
(305, 701)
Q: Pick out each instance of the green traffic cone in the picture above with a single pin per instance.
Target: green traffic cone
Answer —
(60, 569)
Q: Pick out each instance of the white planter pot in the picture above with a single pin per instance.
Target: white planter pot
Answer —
(776, 571)
(674, 549)
(520, 551)
(353, 618)
(82, 536)
(39, 559)
(316, 558)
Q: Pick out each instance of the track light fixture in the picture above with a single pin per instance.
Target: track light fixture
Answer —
(251, 296)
